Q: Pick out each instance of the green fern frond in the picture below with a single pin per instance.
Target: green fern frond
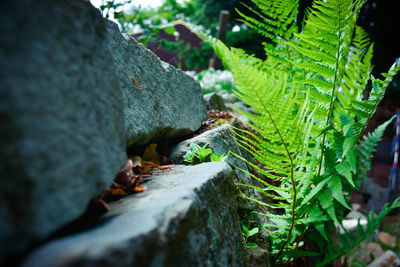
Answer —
(335, 186)
(309, 115)
(325, 45)
(277, 19)
(348, 241)
(365, 109)
(367, 146)
(263, 191)
(266, 27)
(357, 71)
(286, 134)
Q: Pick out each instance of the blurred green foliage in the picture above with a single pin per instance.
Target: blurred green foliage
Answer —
(133, 17)
(194, 58)
(205, 13)
(375, 17)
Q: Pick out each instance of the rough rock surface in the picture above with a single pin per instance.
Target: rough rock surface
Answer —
(364, 253)
(229, 98)
(214, 102)
(379, 195)
(160, 101)
(220, 140)
(61, 121)
(389, 258)
(258, 257)
(187, 217)
(232, 107)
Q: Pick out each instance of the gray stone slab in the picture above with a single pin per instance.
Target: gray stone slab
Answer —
(379, 195)
(160, 101)
(61, 117)
(215, 102)
(187, 217)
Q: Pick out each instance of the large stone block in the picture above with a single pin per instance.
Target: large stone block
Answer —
(61, 117)
(187, 217)
(160, 101)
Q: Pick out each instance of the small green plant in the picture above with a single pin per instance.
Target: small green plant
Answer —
(197, 152)
(217, 157)
(248, 233)
(200, 154)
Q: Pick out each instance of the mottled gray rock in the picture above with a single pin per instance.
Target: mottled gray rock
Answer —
(242, 106)
(61, 118)
(364, 253)
(258, 257)
(229, 98)
(187, 217)
(233, 108)
(215, 102)
(389, 258)
(220, 140)
(379, 195)
(164, 103)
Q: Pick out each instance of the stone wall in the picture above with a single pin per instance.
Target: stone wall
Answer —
(62, 121)
(73, 93)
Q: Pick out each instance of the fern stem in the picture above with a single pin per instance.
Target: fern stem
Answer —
(291, 179)
(291, 175)
(299, 238)
(292, 182)
(290, 159)
(333, 90)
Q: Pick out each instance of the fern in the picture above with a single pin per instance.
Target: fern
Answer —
(278, 18)
(347, 241)
(366, 148)
(357, 71)
(310, 115)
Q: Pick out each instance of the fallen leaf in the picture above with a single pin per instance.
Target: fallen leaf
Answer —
(139, 188)
(137, 83)
(117, 191)
(150, 154)
(164, 168)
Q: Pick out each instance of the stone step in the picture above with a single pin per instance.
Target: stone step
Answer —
(187, 217)
(160, 102)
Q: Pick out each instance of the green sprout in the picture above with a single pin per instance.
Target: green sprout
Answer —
(248, 233)
(199, 154)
